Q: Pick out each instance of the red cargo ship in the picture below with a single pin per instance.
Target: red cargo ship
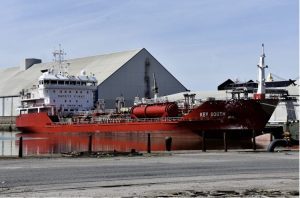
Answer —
(214, 116)
(46, 109)
(236, 117)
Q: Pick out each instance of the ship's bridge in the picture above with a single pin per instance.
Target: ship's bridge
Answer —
(66, 93)
(49, 79)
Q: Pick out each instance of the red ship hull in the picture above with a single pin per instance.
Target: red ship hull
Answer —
(212, 116)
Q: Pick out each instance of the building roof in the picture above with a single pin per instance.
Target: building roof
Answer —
(288, 86)
(13, 79)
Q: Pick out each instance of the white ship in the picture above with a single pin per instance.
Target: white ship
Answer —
(59, 93)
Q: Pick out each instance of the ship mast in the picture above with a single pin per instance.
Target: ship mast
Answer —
(59, 58)
(261, 90)
(155, 88)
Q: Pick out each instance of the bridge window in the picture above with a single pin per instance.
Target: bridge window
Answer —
(53, 82)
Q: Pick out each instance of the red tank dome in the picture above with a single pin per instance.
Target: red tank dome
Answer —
(155, 110)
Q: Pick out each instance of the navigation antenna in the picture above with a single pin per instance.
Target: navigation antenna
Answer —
(59, 58)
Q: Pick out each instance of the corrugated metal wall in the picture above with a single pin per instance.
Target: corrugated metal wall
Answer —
(8, 105)
(135, 78)
(286, 110)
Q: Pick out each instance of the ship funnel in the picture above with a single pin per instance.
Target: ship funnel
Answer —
(261, 90)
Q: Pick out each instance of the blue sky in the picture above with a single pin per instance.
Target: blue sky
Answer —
(201, 42)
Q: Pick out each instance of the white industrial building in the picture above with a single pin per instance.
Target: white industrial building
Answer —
(128, 74)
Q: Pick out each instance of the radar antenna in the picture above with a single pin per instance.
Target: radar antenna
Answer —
(59, 58)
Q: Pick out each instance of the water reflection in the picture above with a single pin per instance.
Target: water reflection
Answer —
(54, 143)
(67, 142)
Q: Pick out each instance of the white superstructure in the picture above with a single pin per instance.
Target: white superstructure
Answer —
(59, 93)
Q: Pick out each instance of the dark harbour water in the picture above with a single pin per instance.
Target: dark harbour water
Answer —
(40, 144)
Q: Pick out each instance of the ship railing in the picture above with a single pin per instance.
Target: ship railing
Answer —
(130, 120)
(35, 105)
(120, 120)
(162, 119)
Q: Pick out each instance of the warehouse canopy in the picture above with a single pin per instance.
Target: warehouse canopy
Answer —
(14, 79)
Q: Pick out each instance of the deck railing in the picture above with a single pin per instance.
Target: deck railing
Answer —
(120, 120)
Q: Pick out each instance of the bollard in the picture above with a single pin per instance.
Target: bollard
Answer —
(168, 141)
(225, 141)
(132, 151)
(21, 147)
(203, 142)
(90, 144)
(149, 143)
(253, 140)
